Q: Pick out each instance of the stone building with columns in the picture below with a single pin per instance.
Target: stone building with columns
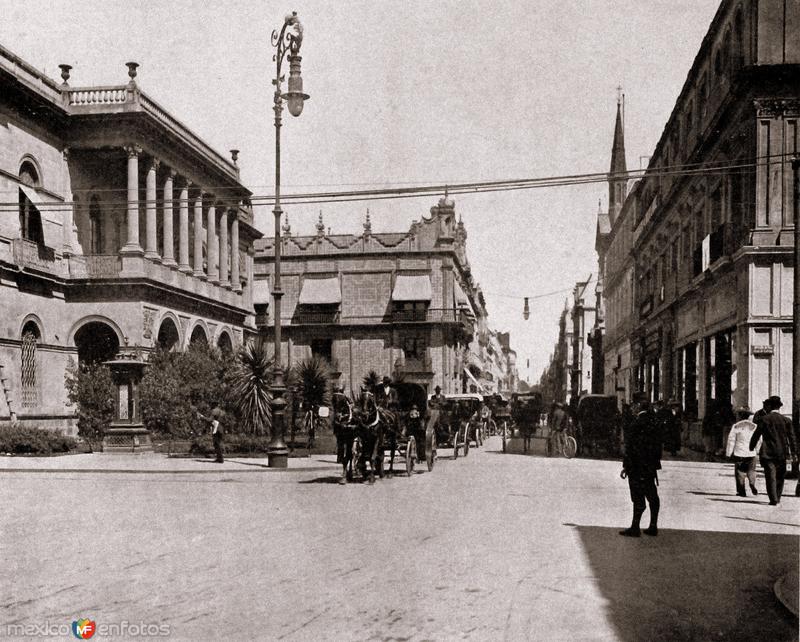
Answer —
(402, 304)
(121, 226)
(707, 232)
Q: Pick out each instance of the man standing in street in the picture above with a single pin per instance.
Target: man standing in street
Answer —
(640, 465)
(778, 444)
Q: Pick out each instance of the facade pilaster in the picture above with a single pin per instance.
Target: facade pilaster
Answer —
(198, 236)
(236, 281)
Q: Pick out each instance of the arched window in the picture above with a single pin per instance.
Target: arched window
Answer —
(198, 335)
(224, 343)
(30, 221)
(737, 48)
(168, 335)
(30, 387)
(96, 342)
(96, 226)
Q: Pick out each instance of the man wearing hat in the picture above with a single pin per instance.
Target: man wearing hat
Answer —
(777, 446)
(641, 464)
(738, 447)
(437, 399)
(217, 432)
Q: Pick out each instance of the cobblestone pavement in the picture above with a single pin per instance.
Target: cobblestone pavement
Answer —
(486, 547)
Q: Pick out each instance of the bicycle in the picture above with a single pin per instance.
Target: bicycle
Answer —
(561, 442)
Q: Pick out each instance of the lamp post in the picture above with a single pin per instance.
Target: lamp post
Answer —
(796, 316)
(287, 45)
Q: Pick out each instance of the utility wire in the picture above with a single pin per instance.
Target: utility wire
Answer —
(718, 168)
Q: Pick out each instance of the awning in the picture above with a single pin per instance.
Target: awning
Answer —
(461, 299)
(261, 294)
(31, 194)
(412, 288)
(320, 292)
(474, 380)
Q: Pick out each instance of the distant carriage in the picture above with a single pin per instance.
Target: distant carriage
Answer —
(526, 409)
(598, 424)
(459, 422)
(415, 436)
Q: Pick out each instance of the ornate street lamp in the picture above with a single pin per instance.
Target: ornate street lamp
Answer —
(287, 44)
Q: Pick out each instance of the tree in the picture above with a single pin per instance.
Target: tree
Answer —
(91, 388)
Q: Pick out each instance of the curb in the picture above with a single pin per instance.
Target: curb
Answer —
(786, 590)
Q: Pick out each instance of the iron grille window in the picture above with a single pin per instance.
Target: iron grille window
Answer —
(30, 396)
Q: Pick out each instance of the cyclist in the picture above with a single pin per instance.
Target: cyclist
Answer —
(559, 422)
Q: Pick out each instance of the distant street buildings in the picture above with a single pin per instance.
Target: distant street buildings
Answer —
(403, 304)
(696, 264)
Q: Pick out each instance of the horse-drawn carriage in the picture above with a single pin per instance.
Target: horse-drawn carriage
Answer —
(459, 422)
(365, 432)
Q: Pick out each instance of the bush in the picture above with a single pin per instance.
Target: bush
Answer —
(175, 384)
(234, 443)
(91, 388)
(21, 440)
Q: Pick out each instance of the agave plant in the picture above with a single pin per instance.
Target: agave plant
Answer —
(251, 384)
(313, 378)
(371, 380)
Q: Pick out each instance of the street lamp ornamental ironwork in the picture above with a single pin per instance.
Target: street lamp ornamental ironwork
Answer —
(287, 45)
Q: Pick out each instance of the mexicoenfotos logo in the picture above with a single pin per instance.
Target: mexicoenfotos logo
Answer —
(84, 628)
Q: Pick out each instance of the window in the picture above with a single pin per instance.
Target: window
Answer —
(411, 310)
(30, 220)
(30, 388)
(322, 348)
(690, 380)
(414, 347)
(96, 226)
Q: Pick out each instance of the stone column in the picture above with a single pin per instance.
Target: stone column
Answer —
(132, 242)
(67, 215)
(236, 281)
(183, 229)
(223, 248)
(168, 253)
(151, 220)
(211, 243)
(198, 236)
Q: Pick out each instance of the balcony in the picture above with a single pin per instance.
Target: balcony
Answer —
(315, 317)
(99, 268)
(34, 256)
(414, 366)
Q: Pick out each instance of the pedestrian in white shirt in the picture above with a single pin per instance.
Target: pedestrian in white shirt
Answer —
(744, 459)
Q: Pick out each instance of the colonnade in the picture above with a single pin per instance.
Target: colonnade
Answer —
(222, 260)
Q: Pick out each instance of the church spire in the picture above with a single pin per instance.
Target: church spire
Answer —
(617, 187)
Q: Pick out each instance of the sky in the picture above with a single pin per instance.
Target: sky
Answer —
(413, 92)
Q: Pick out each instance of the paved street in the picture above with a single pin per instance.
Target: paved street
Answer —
(486, 547)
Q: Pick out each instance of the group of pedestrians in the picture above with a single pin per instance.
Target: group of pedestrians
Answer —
(768, 435)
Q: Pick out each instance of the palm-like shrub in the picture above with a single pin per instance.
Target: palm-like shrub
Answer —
(371, 380)
(313, 380)
(251, 381)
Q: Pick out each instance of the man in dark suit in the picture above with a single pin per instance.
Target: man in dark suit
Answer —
(641, 464)
(777, 446)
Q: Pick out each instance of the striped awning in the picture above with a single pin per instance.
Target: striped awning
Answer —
(320, 292)
(412, 288)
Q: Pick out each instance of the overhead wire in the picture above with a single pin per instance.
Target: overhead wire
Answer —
(418, 191)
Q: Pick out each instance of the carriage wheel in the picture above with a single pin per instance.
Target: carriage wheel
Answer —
(570, 447)
(466, 440)
(430, 450)
(455, 445)
(355, 457)
(411, 455)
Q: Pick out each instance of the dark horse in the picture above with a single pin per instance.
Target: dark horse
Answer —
(382, 427)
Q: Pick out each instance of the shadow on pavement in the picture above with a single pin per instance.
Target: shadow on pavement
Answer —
(328, 479)
(692, 585)
(763, 521)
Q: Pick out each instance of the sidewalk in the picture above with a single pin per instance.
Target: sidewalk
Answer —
(155, 463)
